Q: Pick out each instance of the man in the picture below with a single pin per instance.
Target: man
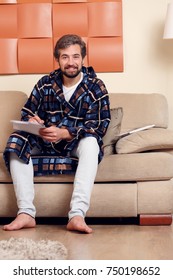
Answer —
(73, 104)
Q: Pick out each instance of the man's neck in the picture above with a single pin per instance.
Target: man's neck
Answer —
(69, 82)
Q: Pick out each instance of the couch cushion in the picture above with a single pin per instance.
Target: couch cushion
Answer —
(140, 109)
(113, 130)
(123, 168)
(151, 166)
(147, 140)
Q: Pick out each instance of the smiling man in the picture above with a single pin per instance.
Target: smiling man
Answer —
(74, 106)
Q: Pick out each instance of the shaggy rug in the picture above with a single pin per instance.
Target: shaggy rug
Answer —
(28, 249)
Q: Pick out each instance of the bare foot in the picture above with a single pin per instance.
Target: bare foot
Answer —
(21, 221)
(77, 223)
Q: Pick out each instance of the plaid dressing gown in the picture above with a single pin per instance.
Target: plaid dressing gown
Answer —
(86, 114)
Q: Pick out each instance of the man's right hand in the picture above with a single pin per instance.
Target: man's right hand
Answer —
(36, 119)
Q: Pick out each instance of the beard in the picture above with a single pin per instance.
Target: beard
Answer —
(72, 74)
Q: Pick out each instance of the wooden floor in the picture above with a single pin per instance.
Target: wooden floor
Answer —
(107, 242)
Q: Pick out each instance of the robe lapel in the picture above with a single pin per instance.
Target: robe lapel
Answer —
(73, 103)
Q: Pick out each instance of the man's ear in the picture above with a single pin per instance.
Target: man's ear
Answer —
(57, 60)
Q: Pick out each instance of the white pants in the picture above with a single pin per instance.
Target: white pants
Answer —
(22, 176)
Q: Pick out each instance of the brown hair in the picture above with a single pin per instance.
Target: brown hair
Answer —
(68, 40)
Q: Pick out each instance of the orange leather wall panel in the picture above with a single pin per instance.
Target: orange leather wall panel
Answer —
(35, 55)
(29, 30)
(106, 54)
(8, 61)
(70, 18)
(34, 20)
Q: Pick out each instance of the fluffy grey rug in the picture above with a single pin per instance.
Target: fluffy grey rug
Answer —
(28, 249)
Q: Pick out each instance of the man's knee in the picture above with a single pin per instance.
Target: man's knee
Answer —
(89, 144)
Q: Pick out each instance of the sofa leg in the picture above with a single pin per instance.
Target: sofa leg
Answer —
(155, 220)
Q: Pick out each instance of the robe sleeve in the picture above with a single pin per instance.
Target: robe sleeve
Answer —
(33, 103)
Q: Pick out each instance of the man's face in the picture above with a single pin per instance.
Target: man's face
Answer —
(70, 61)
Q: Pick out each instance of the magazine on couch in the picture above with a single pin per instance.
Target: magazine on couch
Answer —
(31, 127)
(136, 130)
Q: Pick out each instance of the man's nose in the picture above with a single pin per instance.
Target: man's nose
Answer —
(70, 60)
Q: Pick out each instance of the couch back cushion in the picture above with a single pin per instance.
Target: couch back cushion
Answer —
(141, 109)
(11, 103)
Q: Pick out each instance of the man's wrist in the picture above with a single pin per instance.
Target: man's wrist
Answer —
(66, 134)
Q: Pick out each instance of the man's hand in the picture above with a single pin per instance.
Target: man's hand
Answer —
(55, 134)
(36, 119)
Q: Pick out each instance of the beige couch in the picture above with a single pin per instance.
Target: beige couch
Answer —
(134, 182)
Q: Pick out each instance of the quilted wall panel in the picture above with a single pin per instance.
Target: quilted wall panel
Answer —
(29, 30)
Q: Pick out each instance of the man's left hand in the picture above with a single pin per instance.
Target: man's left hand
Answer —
(55, 134)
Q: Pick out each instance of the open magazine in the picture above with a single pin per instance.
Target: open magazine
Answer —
(31, 127)
(136, 130)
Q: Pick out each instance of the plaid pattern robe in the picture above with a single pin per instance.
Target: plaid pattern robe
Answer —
(86, 114)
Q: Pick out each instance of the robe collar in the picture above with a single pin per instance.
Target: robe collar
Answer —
(56, 80)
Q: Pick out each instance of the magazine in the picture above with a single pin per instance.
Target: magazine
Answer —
(136, 130)
(31, 127)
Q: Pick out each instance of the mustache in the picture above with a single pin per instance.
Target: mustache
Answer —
(71, 66)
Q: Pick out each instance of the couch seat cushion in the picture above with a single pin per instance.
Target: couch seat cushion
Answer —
(123, 168)
(136, 167)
